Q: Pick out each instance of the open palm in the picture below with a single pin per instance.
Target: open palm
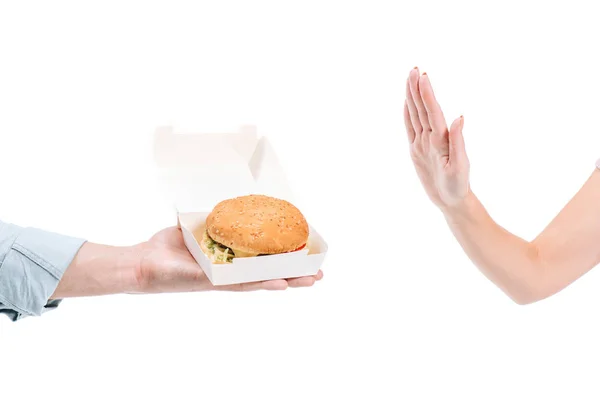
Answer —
(438, 154)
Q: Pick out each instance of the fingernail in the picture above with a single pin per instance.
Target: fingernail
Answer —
(416, 68)
(424, 73)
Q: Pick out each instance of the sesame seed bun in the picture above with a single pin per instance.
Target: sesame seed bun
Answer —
(258, 224)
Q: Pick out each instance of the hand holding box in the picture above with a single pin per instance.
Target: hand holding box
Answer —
(202, 170)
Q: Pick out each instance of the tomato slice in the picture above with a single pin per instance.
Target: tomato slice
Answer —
(301, 247)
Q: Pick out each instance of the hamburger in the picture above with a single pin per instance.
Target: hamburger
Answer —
(252, 226)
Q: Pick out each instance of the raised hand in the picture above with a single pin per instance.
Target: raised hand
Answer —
(438, 154)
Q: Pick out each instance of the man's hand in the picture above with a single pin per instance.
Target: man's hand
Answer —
(161, 265)
(438, 153)
(167, 266)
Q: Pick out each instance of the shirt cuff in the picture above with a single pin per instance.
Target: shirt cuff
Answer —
(31, 270)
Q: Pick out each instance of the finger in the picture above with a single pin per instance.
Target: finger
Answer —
(176, 211)
(410, 131)
(276, 284)
(457, 151)
(304, 281)
(170, 237)
(434, 111)
(413, 81)
(412, 110)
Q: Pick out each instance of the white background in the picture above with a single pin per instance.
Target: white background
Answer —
(401, 312)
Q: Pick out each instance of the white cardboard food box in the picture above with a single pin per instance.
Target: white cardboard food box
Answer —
(199, 170)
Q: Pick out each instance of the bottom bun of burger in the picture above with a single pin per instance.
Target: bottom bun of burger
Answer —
(253, 225)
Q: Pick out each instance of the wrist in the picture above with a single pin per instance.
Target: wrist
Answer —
(128, 263)
(462, 209)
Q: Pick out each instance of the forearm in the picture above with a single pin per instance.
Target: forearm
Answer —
(510, 262)
(98, 270)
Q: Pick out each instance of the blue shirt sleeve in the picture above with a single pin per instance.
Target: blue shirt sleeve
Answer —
(32, 262)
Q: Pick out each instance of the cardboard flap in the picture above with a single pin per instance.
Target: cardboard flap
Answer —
(267, 172)
(193, 150)
(199, 170)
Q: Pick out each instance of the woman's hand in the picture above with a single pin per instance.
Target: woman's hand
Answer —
(527, 271)
(438, 153)
(167, 266)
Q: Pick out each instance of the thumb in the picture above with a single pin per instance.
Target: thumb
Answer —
(457, 152)
(178, 221)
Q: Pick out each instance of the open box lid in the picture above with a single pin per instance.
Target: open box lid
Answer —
(199, 170)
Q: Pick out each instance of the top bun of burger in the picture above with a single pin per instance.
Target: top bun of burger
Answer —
(255, 225)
